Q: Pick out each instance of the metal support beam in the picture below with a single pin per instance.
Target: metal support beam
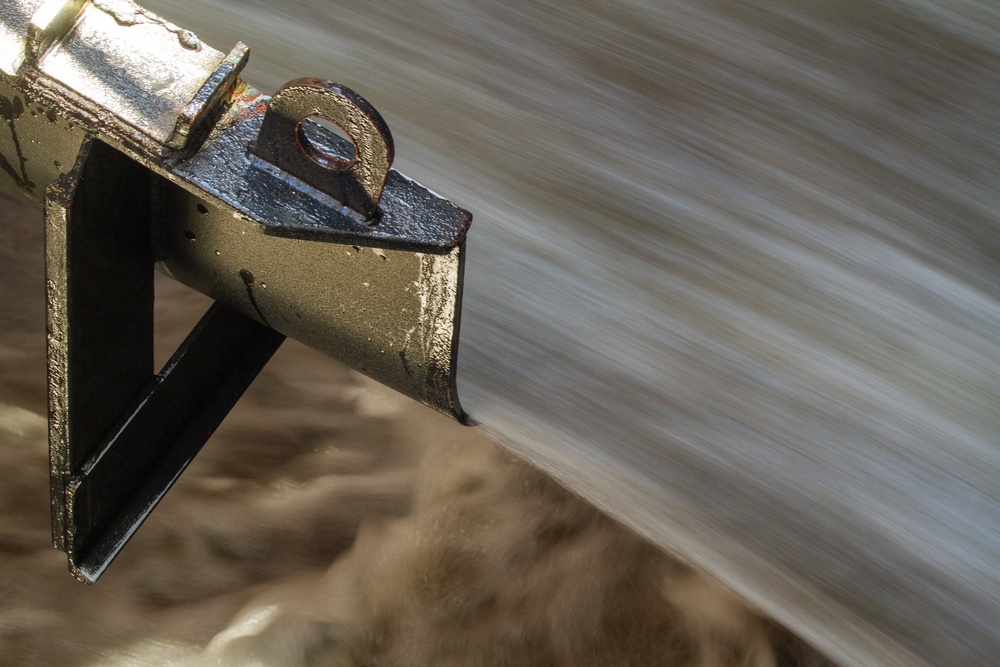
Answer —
(120, 436)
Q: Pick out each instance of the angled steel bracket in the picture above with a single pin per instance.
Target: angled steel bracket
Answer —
(147, 149)
(119, 435)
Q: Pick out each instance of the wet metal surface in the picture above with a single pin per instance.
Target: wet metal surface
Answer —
(37, 144)
(132, 64)
(15, 18)
(391, 314)
(370, 275)
(50, 24)
(120, 435)
(409, 215)
(357, 181)
(203, 110)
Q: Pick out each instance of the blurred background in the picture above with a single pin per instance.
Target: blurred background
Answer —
(732, 279)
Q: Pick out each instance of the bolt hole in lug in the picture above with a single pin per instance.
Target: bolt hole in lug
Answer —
(309, 130)
(323, 148)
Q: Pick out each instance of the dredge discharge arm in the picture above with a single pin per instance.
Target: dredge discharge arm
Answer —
(146, 149)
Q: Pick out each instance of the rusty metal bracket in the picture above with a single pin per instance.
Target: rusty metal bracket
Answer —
(146, 148)
(283, 142)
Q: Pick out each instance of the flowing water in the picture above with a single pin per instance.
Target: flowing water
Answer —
(733, 279)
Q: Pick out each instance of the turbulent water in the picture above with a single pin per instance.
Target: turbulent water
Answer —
(733, 278)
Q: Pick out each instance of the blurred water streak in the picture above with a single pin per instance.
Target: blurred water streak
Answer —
(733, 275)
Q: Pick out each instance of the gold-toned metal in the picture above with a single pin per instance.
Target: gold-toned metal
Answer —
(38, 143)
(122, 97)
(352, 258)
(57, 338)
(391, 314)
(131, 64)
(15, 18)
(50, 23)
(203, 109)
